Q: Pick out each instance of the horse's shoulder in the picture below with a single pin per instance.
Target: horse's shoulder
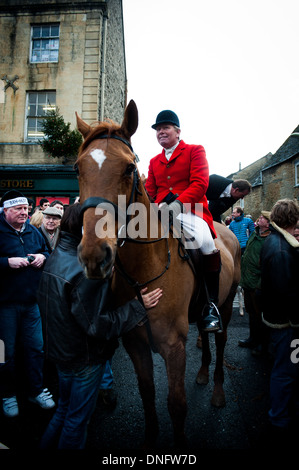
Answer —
(225, 237)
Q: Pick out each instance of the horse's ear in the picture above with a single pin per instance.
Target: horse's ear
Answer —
(82, 126)
(130, 122)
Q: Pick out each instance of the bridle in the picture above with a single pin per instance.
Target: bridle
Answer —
(94, 201)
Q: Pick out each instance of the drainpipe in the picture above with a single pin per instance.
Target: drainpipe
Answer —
(103, 66)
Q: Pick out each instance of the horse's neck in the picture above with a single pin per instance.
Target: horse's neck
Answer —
(150, 217)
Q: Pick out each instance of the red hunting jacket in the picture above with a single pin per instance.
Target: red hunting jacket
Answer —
(186, 173)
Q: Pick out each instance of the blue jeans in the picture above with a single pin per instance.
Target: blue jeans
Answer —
(107, 379)
(283, 378)
(78, 391)
(20, 325)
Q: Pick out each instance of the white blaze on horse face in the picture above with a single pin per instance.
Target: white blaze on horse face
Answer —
(98, 156)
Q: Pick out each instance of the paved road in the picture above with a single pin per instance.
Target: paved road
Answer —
(241, 425)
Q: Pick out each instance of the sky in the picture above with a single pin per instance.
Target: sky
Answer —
(228, 68)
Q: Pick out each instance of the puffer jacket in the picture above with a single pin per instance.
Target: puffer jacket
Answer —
(250, 263)
(242, 227)
(280, 280)
(79, 328)
(19, 285)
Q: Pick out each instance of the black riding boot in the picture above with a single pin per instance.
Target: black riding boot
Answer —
(211, 319)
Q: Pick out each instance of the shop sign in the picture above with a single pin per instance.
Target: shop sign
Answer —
(16, 184)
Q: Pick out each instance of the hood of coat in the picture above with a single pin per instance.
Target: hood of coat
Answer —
(288, 237)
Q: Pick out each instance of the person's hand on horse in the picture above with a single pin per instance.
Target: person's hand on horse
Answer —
(152, 298)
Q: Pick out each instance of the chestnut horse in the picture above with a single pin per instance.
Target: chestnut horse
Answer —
(106, 168)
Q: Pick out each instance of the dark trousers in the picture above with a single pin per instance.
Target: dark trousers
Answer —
(258, 332)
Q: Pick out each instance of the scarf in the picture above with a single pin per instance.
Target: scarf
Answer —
(52, 239)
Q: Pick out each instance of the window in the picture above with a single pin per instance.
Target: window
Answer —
(44, 43)
(38, 103)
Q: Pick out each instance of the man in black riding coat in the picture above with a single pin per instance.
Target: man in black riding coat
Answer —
(222, 193)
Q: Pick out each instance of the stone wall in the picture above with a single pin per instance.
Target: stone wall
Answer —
(89, 74)
(277, 182)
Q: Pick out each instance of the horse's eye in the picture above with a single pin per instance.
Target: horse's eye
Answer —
(129, 170)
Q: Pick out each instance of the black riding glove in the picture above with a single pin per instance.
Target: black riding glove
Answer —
(172, 210)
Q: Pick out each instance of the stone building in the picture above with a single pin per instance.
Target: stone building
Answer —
(67, 54)
(273, 177)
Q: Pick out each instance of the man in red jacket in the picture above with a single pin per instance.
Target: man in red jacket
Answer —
(177, 180)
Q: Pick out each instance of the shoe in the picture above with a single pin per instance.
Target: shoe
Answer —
(246, 343)
(44, 399)
(108, 397)
(10, 407)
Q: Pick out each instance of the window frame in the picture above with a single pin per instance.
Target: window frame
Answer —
(44, 38)
(37, 117)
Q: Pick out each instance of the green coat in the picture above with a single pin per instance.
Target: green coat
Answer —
(250, 264)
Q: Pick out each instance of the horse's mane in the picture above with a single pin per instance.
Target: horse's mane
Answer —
(107, 127)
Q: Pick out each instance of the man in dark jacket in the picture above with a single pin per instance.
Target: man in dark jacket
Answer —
(251, 284)
(280, 300)
(22, 256)
(223, 193)
(80, 332)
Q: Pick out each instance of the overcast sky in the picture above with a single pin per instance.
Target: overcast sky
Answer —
(229, 69)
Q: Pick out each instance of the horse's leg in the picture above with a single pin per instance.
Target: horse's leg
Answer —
(203, 373)
(175, 360)
(218, 397)
(141, 357)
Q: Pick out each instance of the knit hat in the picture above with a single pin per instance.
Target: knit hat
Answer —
(166, 117)
(12, 198)
(266, 214)
(53, 211)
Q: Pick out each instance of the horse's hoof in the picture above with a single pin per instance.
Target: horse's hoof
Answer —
(218, 400)
(202, 379)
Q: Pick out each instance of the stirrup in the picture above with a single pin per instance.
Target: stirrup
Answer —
(211, 322)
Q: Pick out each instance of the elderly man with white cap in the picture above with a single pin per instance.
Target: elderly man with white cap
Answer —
(22, 255)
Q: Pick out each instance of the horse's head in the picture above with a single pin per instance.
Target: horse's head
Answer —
(106, 169)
